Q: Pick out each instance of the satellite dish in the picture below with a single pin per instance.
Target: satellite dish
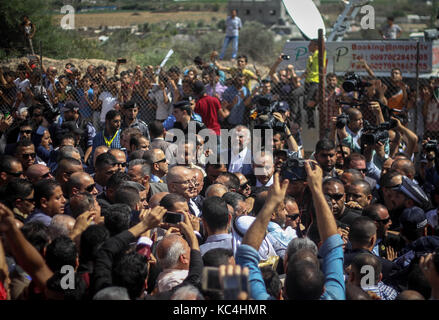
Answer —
(306, 16)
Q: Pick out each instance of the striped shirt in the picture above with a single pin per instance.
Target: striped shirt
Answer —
(99, 140)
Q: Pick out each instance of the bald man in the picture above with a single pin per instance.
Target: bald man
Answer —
(410, 295)
(351, 133)
(120, 157)
(81, 182)
(66, 167)
(216, 190)
(98, 151)
(37, 172)
(181, 180)
(159, 164)
(404, 167)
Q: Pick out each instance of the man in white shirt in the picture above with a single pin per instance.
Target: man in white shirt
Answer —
(240, 152)
(162, 99)
(390, 30)
(109, 99)
(233, 25)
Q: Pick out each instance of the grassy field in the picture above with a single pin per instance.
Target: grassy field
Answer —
(140, 17)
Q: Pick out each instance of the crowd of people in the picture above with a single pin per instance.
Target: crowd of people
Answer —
(129, 181)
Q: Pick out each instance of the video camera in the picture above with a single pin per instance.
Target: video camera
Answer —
(293, 168)
(374, 134)
(265, 109)
(353, 82)
(50, 112)
(431, 145)
(342, 121)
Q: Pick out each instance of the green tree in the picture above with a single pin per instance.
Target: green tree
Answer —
(11, 13)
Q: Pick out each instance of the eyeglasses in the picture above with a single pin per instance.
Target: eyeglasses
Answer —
(31, 200)
(46, 175)
(336, 196)
(15, 174)
(28, 155)
(384, 221)
(26, 131)
(162, 160)
(90, 188)
(293, 216)
(244, 185)
(187, 182)
(121, 164)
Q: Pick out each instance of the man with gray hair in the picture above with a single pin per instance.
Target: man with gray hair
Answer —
(61, 225)
(63, 153)
(298, 244)
(187, 292)
(175, 255)
(112, 293)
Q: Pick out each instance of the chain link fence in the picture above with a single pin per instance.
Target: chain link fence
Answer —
(414, 101)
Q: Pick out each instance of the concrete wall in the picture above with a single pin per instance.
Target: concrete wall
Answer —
(267, 12)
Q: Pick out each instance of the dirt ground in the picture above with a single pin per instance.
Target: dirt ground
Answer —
(133, 18)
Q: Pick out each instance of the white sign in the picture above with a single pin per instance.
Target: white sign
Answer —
(381, 56)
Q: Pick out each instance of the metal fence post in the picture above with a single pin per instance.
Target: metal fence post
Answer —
(321, 99)
(417, 86)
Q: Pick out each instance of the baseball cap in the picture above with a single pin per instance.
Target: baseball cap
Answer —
(129, 105)
(282, 106)
(71, 106)
(413, 218)
(412, 190)
(184, 105)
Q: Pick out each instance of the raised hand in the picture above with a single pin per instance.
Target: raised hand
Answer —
(154, 218)
(314, 175)
(7, 220)
(277, 191)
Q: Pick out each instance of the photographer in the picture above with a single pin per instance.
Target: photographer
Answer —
(430, 173)
(287, 86)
